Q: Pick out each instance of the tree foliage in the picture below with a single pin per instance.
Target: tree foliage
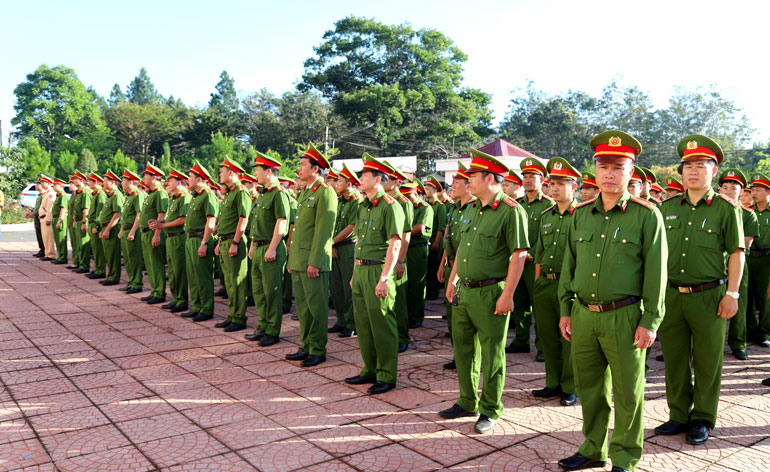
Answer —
(87, 162)
(141, 90)
(37, 159)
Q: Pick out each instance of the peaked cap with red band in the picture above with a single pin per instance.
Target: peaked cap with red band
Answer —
(589, 180)
(394, 172)
(177, 175)
(153, 170)
(315, 155)
(246, 177)
(638, 175)
(200, 171)
(481, 162)
(615, 143)
(531, 165)
(672, 183)
(649, 175)
(462, 172)
(267, 161)
(111, 175)
(332, 174)
(560, 167)
(59, 181)
(80, 176)
(95, 177)
(514, 177)
(733, 175)
(45, 178)
(697, 147)
(346, 173)
(127, 174)
(285, 180)
(370, 163)
(232, 165)
(760, 179)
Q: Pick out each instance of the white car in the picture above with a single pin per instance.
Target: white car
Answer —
(29, 195)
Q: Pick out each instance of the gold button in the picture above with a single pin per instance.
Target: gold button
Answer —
(624, 241)
(683, 254)
(606, 217)
(689, 223)
(602, 235)
(593, 295)
(686, 239)
(594, 274)
(465, 260)
(557, 230)
(598, 255)
(474, 228)
(551, 257)
(682, 270)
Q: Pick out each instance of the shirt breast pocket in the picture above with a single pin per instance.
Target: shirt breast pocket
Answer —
(548, 235)
(582, 245)
(673, 225)
(709, 237)
(626, 248)
(488, 239)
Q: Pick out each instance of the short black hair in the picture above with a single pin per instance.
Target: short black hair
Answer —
(498, 178)
(375, 173)
(273, 170)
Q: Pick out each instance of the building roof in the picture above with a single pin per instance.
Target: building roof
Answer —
(502, 148)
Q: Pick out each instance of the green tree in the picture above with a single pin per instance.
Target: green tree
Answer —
(87, 162)
(165, 163)
(14, 179)
(116, 95)
(221, 146)
(118, 163)
(141, 90)
(37, 159)
(65, 164)
(142, 129)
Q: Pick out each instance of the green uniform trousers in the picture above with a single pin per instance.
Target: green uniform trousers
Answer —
(112, 254)
(267, 286)
(342, 272)
(523, 301)
(155, 263)
(39, 233)
(235, 271)
(434, 259)
(177, 271)
(132, 258)
(691, 331)
(286, 291)
(401, 308)
(608, 365)
(759, 274)
(84, 246)
(417, 269)
(312, 299)
(478, 341)
(75, 243)
(377, 327)
(447, 304)
(100, 264)
(60, 238)
(736, 333)
(556, 349)
(200, 276)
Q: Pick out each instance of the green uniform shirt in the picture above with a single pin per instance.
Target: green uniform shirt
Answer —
(439, 219)
(38, 201)
(271, 206)
(155, 202)
(97, 197)
(71, 208)
(347, 213)
(113, 204)
(252, 213)
(750, 223)
(456, 221)
(178, 206)
(408, 210)
(132, 206)
(699, 236)
(293, 209)
(554, 227)
(202, 205)
(379, 219)
(491, 234)
(81, 203)
(534, 210)
(614, 255)
(763, 219)
(423, 215)
(236, 204)
(311, 242)
(62, 200)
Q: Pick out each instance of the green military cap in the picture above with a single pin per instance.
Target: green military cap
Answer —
(672, 183)
(615, 143)
(560, 167)
(733, 175)
(395, 172)
(411, 186)
(638, 175)
(370, 163)
(699, 147)
(201, 171)
(481, 162)
(531, 165)
(649, 175)
(232, 165)
(267, 161)
(350, 175)
(285, 180)
(177, 175)
(127, 174)
(514, 177)
(79, 175)
(589, 179)
(760, 179)
(154, 170)
(462, 171)
(432, 181)
(679, 168)
(111, 175)
(315, 155)
(246, 177)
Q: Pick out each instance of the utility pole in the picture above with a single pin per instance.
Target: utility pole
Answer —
(326, 139)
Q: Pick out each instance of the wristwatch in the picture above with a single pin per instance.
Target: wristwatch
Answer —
(735, 295)
(384, 280)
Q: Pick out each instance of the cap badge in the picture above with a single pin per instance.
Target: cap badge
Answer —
(692, 144)
(528, 163)
(557, 165)
(731, 174)
(614, 141)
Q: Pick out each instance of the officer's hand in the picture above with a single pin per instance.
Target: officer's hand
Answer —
(450, 292)
(233, 251)
(119, 235)
(156, 240)
(504, 305)
(565, 326)
(216, 250)
(334, 253)
(381, 290)
(351, 282)
(58, 225)
(83, 227)
(94, 230)
(312, 272)
(440, 273)
(399, 270)
(728, 307)
(270, 255)
(643, 338)
(251, 249)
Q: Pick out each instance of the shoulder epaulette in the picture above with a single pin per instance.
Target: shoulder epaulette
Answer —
(585, 203)
(547, 210)
(389, 199)
(424, 203)
(354, 196)
(324, 185)
(510, 202)
(729, 200)
(749, 209)
(241, 188)
(547, 197)
(403, 199)
(678, 195)
(643, 202)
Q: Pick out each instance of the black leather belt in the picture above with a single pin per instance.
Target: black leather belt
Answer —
(482, 283)
(195, 234)
(419, 245)
(759, 252)
(346, 242)
(697, 288)
(610, 306)
(261, 242)
(144, 230)
(530, 259)
(365, 262)
(171, 235)
(225, 237)
(552, 276)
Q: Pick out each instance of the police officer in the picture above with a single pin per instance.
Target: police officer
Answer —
(732, 183)
(614, 260)
(588, 188)
(98, 197)
(81, 208)
(417, 254)
(232, 247)
(489, 262)
(153, 241)
(705, 263)
(268, 249)
(45, 216)
(433, 192)
(512, 185)
(35, 214)
(759, 263)
(71, 222)
(636, 184)
(59, 211)
(379, 227)
(173, 226)
(310, 257)
(199, 249)
(549, 254)
(288, 185)
(108, 221)
(673, 187)
(130, 242)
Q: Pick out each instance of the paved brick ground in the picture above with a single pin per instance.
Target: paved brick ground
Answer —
(94, 379)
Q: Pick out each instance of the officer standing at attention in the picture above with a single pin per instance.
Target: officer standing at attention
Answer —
(705, 263)
(98, 198)
(417, 254)
(130, 245)
(614, 260)
(268, 250)
(512, 185)
(199, 247)
(153, 241)
(534, 202)
(71, 221)
(81, 207)
(173, 226)
(310, 257)
(732, 183)
(232, 247)
(109, 218)
(549, 254)
(380, 225)
(433, 191)
(35, 214)
(759, 264)
(588, 188)
(490, 259)
(288, 185)
(45, 216)
(59, 211)
(673, 187)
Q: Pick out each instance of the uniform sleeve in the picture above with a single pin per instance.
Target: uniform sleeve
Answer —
(516, 231)
(350, 216)
(281, 206)
(243, 204)
(117, 203)
(440, 218)
(395, 221)
(566, 295)
(138, 203)
(733, 229)
(186, 200)
(424, 217)
(537, 251)
(750, 225)
(162, 202)
(408, 210)
(655, 255)
(325, 218)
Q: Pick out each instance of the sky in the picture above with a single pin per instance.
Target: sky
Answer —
(559, 45)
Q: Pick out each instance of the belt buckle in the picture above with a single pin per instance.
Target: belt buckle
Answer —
(685, 289)
(358, 262)
(595, 308)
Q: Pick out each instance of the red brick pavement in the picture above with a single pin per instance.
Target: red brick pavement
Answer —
(93, 379)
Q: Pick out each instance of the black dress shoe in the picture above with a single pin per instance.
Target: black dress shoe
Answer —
(255, 336)
(313, 361)
(671, 428)
(38, 254)
(358, 380)
(156, 300)
(221, 292)
(741, 355)
(335, 329)
(540, 357)
(232, 327)
(766, 382)
(72, 267)
(59, 262)
(380, 387)
(81, 271)
(514, 349)
(697, 433)
(764, 343)
(345, 333)
(222, 324)
(133, 290)
(450, 365)
(432, 296)
(168, 305)
(579, 461)
(547, 392)
(415, 324)
(189, 314)
(402, 347)
(98, 276)
(484, 424)
(144, 299)
(455, 411)
(203, 317)
(125, 289)
(268, 340)
(90, 275)
(47, 259)
(108, 283)
(659, 358)
(300, 355)
(618, 469)
(568, 399)
(178, 309)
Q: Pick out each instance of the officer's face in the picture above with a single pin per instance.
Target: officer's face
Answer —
(759, 193)
(635, 188)
(646, 189)
(698, 174)
(147, 178)
(224, 174)
(746, 197)
(480, 183)
(613, 175)
(392, 182)
(459, 188)
(305, 170)
(342, 184)
(368, 181)
(533, 182)
(261, 174)
(562, 190)
(588, 192)
(655, 195)
(91, 184)
(730, 189)
(430, 191)
(671, 193)
(173, 186)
